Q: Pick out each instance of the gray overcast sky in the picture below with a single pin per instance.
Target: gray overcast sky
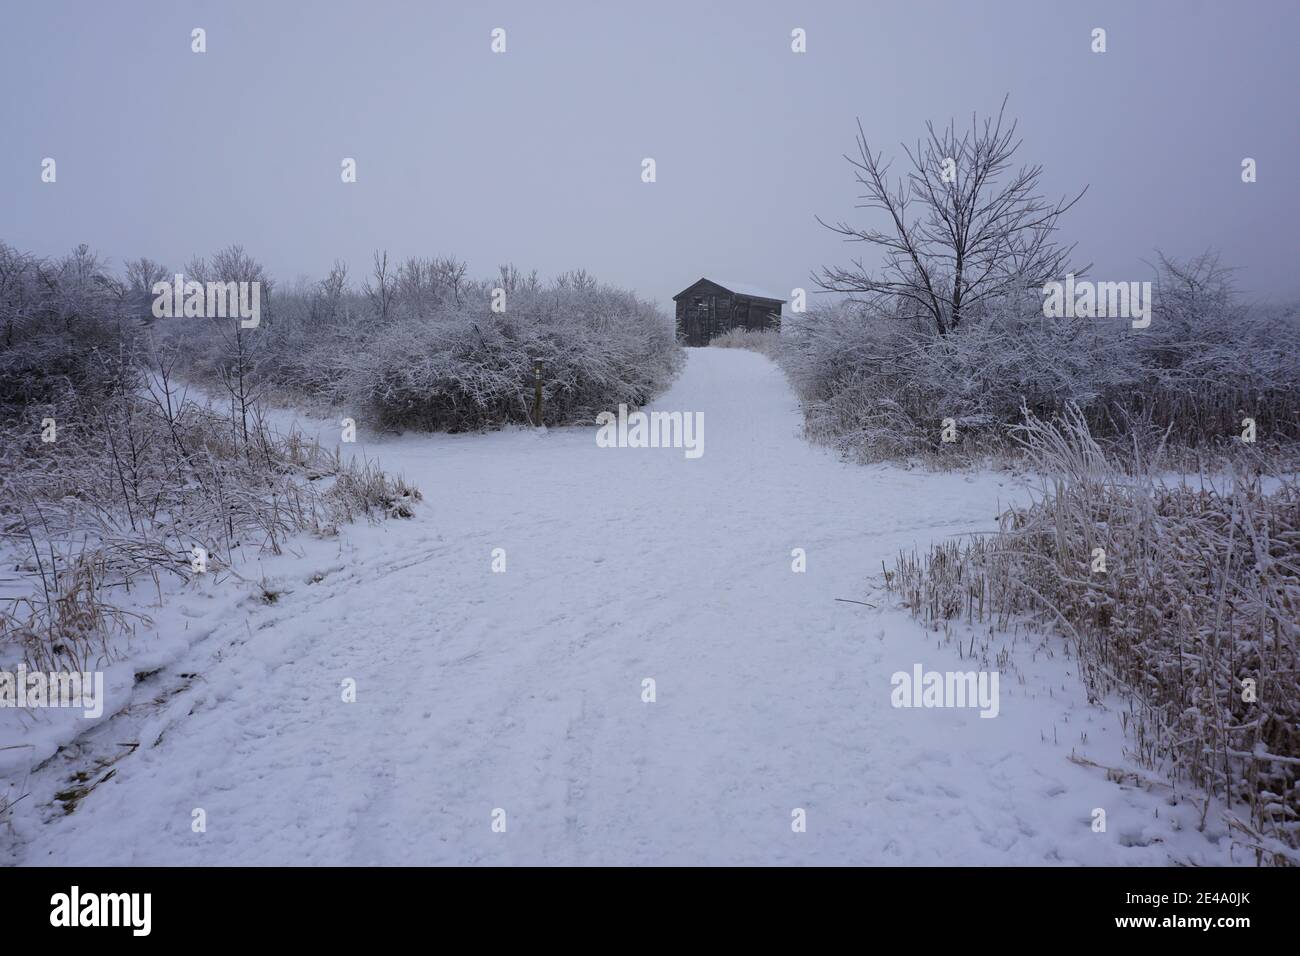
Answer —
(534, 156)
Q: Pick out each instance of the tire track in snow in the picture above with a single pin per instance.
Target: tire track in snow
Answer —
(522, 690)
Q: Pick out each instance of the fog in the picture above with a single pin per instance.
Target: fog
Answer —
(534, 156)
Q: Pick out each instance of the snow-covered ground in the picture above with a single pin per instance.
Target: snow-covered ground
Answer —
(522, 691)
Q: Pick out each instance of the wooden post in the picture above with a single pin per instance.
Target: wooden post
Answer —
(537, 394)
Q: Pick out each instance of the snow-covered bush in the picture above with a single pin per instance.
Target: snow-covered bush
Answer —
(108, 473)
(421, 347)
(66, 331)
(129, 490)
(1191, 608)
(878, 387)
(467, 367)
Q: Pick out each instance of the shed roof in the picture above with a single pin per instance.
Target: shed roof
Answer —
(735, 288)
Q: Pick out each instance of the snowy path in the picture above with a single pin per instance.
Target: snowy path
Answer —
(522, 690)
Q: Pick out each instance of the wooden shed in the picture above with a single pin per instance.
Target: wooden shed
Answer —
(707, 308)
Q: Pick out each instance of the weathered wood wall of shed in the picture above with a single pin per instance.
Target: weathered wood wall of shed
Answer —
(720, 312)
(698, 325)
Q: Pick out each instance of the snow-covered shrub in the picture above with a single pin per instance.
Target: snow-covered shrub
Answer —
(1191, 608)
(422, 348)
(131, 487)
(878, 386)
(756, 340)
(867, 381)
(66, 332)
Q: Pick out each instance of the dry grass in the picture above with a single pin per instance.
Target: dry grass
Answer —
(127, 492)
(1199, 601)
(765, 343)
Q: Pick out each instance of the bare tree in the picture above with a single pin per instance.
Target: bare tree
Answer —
(977, 232)
(451, 272)
(381, 294)
(239, 346)
(141, 276)
(330, 292)
(16, 272)
(1193, 290)
(510, 277)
